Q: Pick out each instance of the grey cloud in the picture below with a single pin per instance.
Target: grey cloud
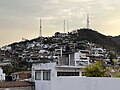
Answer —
(23, 15)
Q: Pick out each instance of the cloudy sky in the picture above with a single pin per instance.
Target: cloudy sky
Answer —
(20, 18)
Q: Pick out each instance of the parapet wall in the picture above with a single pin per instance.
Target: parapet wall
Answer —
(87, 83)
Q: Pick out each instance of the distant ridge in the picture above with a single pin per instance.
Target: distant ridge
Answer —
(116, 39)
(90, 35)
(96, 37)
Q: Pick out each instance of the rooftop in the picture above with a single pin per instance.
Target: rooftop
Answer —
(9, 84)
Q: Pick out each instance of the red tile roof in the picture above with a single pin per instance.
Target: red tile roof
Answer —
(8, 84)
(21, 72)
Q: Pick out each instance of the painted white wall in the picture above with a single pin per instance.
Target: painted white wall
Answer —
(42, 84)
(6, 48)
(77, 56)
(72, 82)
(2, 75)
(78, 60)
(87, 83)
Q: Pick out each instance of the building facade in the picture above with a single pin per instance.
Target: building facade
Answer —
(50, 76)
(45, 74)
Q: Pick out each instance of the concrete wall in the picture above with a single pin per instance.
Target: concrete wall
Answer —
(72, 82)
(87, 83)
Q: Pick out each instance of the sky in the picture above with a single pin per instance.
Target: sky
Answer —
(20, 18)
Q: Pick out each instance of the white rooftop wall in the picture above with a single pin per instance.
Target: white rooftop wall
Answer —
(42, 84)
(71, 82)
(87, 83)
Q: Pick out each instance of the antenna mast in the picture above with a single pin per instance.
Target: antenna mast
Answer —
(64, 25)
(40, 32)
(67, 26)
(88, 22)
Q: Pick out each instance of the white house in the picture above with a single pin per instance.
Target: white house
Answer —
(50, 76)
(6, 48)
(2, 75)
(45, 75)
(98, 52)
(81, 58)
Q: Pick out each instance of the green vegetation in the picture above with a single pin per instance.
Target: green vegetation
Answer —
(95, 37)
(115, 71)
(98, 70)
(9, 70)
(95, 70)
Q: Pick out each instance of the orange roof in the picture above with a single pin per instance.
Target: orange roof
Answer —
(8, 84)
(21, 72)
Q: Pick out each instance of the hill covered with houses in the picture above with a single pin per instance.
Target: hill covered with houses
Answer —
(79, 47)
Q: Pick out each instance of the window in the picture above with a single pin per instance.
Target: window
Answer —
(38, 75)
(46, 75)
(42, 74)
(67, 73)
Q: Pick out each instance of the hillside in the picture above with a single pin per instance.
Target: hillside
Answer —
(20, 53)
(90, 35)
(95, 37)
(116, 39)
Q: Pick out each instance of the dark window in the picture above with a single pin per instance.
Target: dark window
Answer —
(46, 74)
(38, 75)
(67, 73)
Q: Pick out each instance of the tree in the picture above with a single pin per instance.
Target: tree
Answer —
(95, 70)
(57, 34)
(7, 70)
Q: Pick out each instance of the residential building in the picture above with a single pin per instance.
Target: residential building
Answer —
(2, 75)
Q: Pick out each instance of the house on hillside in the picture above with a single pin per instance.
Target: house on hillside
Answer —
(81, 58)
(2, 75)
